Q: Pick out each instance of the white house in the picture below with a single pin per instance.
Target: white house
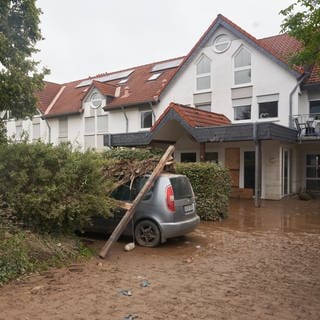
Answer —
(233, 99)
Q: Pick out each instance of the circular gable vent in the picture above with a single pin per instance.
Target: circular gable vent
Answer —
(221, 43)
(96, 100)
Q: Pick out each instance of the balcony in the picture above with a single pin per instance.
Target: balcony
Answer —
(307, 125)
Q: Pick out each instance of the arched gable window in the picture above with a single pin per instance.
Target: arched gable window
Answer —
(203, 74)
(242, 67)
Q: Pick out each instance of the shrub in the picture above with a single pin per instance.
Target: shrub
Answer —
(53, 189)
(211, 184)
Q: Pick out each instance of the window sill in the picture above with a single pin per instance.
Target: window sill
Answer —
(242, 121)
(268, 120)
(244, 85)
(202, 91)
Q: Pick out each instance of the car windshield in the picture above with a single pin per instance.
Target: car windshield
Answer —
(181, 187)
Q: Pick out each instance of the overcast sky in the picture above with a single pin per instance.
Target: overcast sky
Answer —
(87, 37)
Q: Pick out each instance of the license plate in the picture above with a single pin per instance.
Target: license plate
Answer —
(189, 208)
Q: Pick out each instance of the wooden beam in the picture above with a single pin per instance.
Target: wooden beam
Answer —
(130, 212)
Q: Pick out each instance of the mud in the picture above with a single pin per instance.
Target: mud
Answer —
(258, 264)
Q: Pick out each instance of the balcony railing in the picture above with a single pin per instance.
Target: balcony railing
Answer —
(307, 125)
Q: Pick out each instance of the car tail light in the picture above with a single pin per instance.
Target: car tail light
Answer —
(170, 198)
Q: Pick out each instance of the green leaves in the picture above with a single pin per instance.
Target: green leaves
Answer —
(19, 77)
(211, 184)
(302, 21)
(53, 189)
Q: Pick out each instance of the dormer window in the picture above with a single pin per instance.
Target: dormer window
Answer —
(203, 74)
(242, 67)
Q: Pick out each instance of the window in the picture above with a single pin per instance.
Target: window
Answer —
(102, 123)
(125, 80)
(63, 129)
(19, 130)
(89, 126)
(155, 76)
(242, 67)
(89, 142)
(203, 74)
(211, 157)
(35, 131)
(146, 119)
(188, 157)
(313, 172)
(221, 43)
(242, 112)
(204, 107)
(315, 109)
(268, 109)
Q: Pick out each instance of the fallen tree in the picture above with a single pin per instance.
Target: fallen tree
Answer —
(53, 189)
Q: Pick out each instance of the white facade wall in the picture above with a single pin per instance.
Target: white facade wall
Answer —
(268, 78)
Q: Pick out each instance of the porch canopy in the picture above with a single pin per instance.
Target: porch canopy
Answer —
(202, 126)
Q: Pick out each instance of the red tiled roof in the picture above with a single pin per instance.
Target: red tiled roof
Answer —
(194, 117)
(69, 100)
(138, 89)
(47, 94)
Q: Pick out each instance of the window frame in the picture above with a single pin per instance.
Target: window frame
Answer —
(142, 113)
(63, 135)
(242, 68)
(242, 106)
(200, 106)
(210, 153)
(38, 126)
(267, 117)
(203, 75)
(316, 115)
(191, 153)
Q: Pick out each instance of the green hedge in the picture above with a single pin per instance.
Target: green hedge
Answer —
(211, 184)
(53, 189)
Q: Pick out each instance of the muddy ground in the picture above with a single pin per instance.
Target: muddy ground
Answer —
(258, 264)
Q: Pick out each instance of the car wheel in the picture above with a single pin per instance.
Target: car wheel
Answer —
(147, 233)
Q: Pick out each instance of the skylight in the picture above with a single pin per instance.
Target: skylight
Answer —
(167, 65)
(155, 76)
(84, 83)
(115, 76)
(125, 80)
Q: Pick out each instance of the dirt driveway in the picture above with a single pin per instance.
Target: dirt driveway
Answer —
(258, 264)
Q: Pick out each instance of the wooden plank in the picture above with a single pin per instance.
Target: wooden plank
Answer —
(124, 205)
(130, 212)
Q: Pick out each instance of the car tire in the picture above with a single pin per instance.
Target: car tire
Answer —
(147, 233)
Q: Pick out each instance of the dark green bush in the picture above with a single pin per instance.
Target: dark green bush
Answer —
(53, 189)
(211, 184)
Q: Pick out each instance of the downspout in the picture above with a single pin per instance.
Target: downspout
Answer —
(127, 120)
(153, 114)
(257, 173)
(49, 130)
(300, 80)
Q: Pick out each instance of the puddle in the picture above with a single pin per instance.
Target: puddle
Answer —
(287, 215)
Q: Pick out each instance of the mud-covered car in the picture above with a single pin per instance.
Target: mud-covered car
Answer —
(168, 210)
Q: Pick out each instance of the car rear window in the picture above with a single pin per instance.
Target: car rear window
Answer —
(181, 188)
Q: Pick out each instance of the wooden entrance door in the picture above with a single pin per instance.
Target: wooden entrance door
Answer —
(232, 162)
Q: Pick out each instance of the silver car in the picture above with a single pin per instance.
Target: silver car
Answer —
(168, 210)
